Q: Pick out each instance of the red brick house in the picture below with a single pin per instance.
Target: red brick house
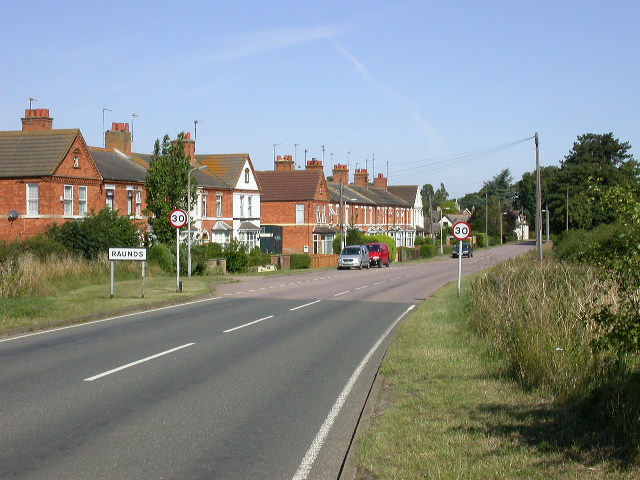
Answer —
(46, 176)
(295, 207)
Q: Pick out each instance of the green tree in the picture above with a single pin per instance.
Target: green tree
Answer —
(440, 196)
(595, 160)
(500, 187)
(449, 207)
(426, 192)
(166, 185)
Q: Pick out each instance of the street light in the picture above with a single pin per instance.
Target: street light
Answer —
(502, 213)
(346, 222)
(189, 214)
(133, 117)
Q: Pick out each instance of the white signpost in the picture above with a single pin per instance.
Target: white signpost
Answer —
(129, 254)
(178, 218)
(461, 231)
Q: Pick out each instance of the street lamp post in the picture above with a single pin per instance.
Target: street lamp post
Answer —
(189, 214)
(346, 222)
(441, 250)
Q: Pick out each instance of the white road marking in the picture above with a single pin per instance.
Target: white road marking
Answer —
(341, 293)
(247, 324)
(305, 305)
(95, 377)
(378, 283)
(360, 288)
(311, 455)
(78, 325)
(395, 278)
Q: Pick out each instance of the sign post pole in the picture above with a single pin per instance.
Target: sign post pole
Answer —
(126, 254)
(461, 231)
(178, 218)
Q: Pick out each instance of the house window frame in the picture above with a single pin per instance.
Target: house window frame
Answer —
(246, 175)
(110, 194)
(83, 200)
(218, 205)
(67, 200)
(33, 203)
(300, 213)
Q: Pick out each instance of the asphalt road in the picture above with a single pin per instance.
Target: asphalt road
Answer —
(266, 380)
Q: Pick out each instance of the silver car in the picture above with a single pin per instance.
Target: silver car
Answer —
(354, 256)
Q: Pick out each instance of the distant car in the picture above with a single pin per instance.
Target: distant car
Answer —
(378, 254)
(467, 250)
(354, 256)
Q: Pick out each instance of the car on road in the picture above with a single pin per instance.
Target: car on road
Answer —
(354, 256)
(467, 250)
(378, 254)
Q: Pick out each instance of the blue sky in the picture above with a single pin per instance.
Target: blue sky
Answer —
(427, 88)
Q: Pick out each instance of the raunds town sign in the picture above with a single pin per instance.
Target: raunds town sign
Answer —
(139, 254)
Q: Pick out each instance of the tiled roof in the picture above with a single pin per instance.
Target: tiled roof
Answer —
(117, 166)
(204, 178)
(34, 153)
(289, 185)
(380, 197)
(405, 192)
(227, 167)
(348, 193)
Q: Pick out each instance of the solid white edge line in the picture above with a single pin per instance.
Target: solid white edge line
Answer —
(107, 319)
(247, 324)
(305, 305)
(95, 377)
(311, 455)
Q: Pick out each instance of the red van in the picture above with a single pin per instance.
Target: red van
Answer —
(378, 254)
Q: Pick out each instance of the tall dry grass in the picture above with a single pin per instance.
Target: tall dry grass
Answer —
(29, 276)
(537, 317)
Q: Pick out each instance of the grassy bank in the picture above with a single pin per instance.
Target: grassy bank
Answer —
(447, 411)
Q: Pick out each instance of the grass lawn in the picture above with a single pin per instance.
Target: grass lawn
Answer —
(443, 412)
(94, 301)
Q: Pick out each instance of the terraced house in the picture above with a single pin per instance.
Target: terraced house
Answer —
(51, 175)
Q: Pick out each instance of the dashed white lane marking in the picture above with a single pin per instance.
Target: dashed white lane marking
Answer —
(305, 305)
(247, 324)
(341, 293)
(360, 288)
(95, 377)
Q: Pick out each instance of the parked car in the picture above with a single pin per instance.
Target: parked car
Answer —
(378, 254)
(354, 256)
(467, 250)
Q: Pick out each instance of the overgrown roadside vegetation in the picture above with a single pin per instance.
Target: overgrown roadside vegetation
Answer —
(451, 410)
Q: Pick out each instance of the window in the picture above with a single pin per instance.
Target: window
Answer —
(249, 206)
(221, 236)
(111, 193)
(138, 203)
(204, 205)
(33, 199)
(76, 162)
(219, 205)
(300, 213)
(68, 200)
(246, 175)
(82, 201)
(129, 201)
(250, 238)
(241, 205)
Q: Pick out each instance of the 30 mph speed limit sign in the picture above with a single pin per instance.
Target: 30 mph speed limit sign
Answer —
(178, 218)
(461, 230)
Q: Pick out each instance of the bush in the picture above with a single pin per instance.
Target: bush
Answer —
(96, 233)
(428, 250)
(162, 256)
(237, 258)
(256, 257)
(41, 246)
(203, 252)
(300, 261)
(481, 240)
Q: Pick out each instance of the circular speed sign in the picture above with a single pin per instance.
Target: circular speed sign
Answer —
(178, 218)
(461, 230)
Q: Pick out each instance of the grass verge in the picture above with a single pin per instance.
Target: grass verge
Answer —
(444, 413)
(94, 301)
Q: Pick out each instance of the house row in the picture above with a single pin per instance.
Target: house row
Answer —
(51, 175)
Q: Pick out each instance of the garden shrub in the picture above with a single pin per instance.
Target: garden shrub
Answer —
(428, 250)
(257, 257)
(237, 258)
(300, 261)
(162, 256)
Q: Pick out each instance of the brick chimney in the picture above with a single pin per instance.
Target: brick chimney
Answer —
(284, 163)
(119, 137)
(37, 119)
(361, 177)
(380, 181)
(341, 174)
(189, 146)
(314, 164)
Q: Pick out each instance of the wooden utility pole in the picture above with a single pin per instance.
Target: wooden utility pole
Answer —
(538, 201)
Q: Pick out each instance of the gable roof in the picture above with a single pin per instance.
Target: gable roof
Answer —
(290, 185)
(348, 194)
(228, 166)
(380, 196)
(407, 193)
(34, 153)
(116, 166)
